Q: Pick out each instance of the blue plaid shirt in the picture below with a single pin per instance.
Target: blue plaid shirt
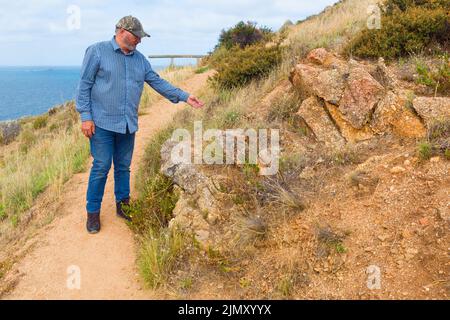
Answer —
(111, 86)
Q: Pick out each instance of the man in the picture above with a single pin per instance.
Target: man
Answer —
(112, 79)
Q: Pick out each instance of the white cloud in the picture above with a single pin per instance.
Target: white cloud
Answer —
(186, 26)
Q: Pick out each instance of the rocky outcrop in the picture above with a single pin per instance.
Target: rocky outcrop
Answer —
(432, 109)
(322, 57)
(360, 100)
(304, 78)
(394, 115)
(362, 93)
(196, 209)
(350, 133)
(205, 211)
(320, 123)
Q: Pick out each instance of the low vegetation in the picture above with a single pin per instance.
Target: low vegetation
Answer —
(437, 141)
(436, 77)
(244, 52)
(243, 35)
(331, 29)
(40, 158)
(407, 27)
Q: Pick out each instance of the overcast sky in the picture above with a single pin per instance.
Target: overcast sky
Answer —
(46, 32)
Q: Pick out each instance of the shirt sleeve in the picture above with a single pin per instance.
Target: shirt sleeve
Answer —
(89, 69)
(162, 86)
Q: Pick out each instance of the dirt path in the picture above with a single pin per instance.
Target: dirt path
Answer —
(106, 261)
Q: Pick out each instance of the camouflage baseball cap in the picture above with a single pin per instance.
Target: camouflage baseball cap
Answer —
(132, 25)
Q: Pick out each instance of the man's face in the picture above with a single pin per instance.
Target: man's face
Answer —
(130, 40)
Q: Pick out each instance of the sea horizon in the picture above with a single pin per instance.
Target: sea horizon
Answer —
(33, 90)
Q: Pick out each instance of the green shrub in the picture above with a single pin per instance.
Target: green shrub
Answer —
(40, 122)
(243, 34)
(437, 141)
(153, 210)
(425, 150)
(447, 154)
(239, 66)
(2, 212)
(27, 139)
(230, 119)
(392, 6)
(202, 70)
(438, 79)
(407, 26)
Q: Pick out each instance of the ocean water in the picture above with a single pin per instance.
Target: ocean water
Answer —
(26, 91)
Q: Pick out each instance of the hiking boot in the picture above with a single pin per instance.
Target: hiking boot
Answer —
(119, 209)
(93, 223)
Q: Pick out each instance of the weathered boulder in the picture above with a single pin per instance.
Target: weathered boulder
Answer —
(330, 86)
(326, 84)
(320, 56)
(432, 109)
(362, 99)
(350, 133)
(304, 78)
(393, 115)
(315, 116)
(384, 76)
(184, 175)
(361, 94)
(197, 207)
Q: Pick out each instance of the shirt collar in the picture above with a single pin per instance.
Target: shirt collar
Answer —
(116, 47)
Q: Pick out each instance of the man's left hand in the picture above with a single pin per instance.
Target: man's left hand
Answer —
(194, 102)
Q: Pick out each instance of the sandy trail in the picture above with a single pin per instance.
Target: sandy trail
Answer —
(106, 261)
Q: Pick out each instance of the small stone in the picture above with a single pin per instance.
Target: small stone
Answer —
(397, 169)
(424, 221)
(435, 159)
(202, 235)
(407, 163)
(383, 238)
(408, 257)
(442, 214)
(394, 251)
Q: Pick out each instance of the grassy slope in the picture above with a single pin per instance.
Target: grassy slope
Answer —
(228, 109)
(160, 255)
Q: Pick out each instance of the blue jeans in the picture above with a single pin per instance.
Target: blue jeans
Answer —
(107, 146)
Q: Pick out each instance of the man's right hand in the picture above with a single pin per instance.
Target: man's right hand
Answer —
(88, 128)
